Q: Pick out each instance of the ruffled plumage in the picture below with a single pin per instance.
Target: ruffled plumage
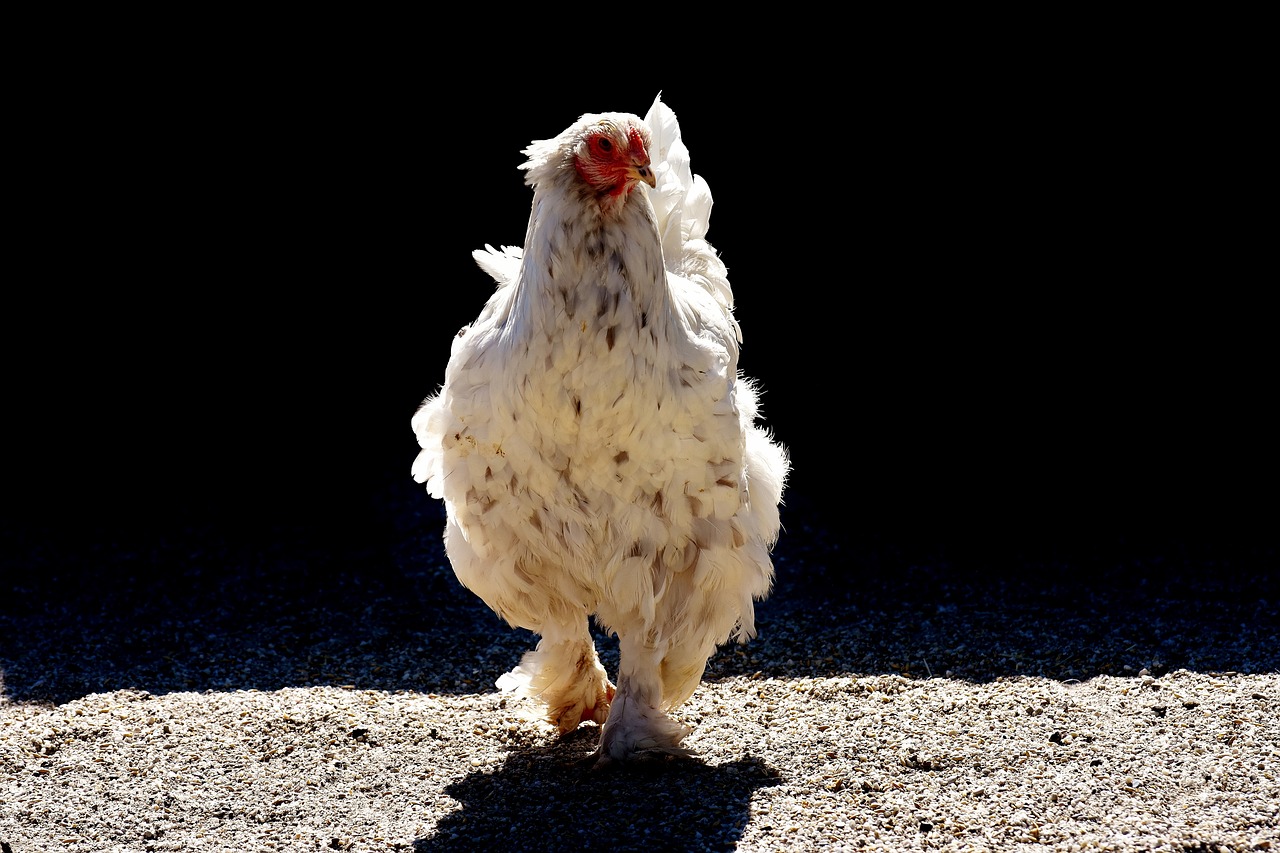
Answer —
(596, 449)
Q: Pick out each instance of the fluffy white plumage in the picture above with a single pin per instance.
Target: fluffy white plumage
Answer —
(597, 451)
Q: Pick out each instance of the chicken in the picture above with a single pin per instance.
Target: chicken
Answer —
(598, 453)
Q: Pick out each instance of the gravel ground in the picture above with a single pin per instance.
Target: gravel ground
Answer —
(202, 691)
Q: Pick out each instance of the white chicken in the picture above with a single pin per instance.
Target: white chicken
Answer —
(596, 449)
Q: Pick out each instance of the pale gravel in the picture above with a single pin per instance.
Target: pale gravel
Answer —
(1186, 761)
(203, 693)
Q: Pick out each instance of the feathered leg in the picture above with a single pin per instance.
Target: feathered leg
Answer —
(565, 674)
(637, 726)
(682, 671)
(564, 671)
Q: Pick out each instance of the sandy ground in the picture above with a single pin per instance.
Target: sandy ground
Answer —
(1184, 762)
(200, 692)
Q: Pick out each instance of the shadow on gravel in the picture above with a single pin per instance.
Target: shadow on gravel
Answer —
(666, 805)
(199, 607)
(373, 604)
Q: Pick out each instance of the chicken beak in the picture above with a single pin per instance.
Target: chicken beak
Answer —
(642, 172)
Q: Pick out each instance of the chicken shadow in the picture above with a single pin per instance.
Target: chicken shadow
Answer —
(664, 804)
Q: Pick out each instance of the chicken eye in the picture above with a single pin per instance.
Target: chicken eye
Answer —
(604, 144)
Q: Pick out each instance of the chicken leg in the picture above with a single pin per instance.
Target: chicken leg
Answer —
(637, 727)
(565, 674)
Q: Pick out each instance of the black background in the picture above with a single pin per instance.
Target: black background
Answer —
(993, 291)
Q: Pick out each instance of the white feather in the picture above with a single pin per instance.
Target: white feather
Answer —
(682, 202)
(502, 264)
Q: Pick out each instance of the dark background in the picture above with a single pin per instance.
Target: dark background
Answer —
(996, 293)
